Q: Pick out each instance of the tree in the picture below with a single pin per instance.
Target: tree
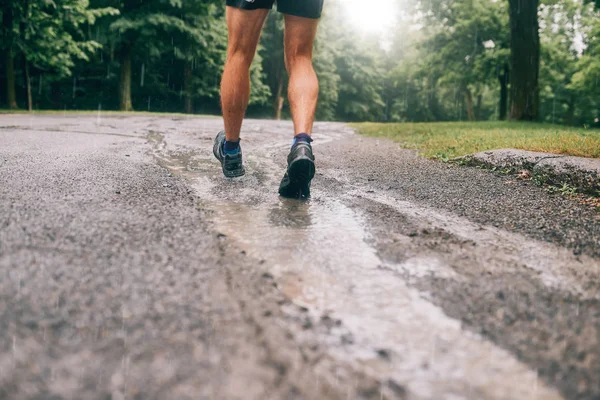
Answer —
(192, 32)
(465, 44)
(329, 79)
(48, 36)
(411, 90)
(586, 80)
(504, 78)
(146, 29)
(51, 37)
(443, 60)
(587, 77)
(8, 39)
(199, 45)
(359, 66)
(352, 64)
(558, 35)
(272, 52)
(525, 59)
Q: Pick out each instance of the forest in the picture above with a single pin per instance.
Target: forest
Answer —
(441, 60)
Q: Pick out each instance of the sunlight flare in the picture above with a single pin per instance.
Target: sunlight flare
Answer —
(371, 15)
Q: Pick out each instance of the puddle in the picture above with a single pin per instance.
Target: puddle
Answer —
(319, 255)
(317, 252)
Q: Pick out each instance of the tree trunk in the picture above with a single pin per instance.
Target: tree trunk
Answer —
(503, 78)
(187, 87)
(278, 102)
(9, 63)
(478, 107)
(55, 95)
(525, 60)
(28, 85)
(469, 100)
(433, 101)
(11, 93)
(125, 82)
(25, 36)
(571, 110)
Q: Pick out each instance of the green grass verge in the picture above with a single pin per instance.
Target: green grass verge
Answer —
(446, 140)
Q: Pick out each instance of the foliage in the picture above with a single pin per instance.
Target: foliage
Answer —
(450, 62)
(357, 61)
(49, 34)
(442, 61)
(462, 45)
(565, 31)
(586, 78)
(326, 52)
(360, 87)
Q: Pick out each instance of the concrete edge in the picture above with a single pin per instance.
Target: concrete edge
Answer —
(553, 169)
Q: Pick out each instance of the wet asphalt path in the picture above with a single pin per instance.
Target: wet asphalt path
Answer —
(130, 268)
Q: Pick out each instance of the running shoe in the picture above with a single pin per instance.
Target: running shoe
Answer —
(300, 171)
(231, 163)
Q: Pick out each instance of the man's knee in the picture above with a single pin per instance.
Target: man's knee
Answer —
(240, 54)
(298, 56)
(300, 36)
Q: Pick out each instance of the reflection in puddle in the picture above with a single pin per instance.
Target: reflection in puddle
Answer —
(290, 213)
(309, 238)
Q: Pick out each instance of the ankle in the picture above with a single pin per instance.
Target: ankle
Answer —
(230, 147)
(302, 137)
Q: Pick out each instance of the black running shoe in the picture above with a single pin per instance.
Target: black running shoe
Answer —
(300, 171)
(232, 164)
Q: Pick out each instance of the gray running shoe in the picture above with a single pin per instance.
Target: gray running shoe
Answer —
(232, 164)
(300, 171)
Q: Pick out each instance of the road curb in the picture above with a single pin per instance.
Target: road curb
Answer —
(554, 169)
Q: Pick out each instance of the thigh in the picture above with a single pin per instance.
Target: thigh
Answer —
(244, 28)
(300, 33)
(301, 8)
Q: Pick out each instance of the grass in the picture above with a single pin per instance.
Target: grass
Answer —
(446, 140)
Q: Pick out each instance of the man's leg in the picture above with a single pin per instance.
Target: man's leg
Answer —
(303, 88)
(303, 91)
(244, 28)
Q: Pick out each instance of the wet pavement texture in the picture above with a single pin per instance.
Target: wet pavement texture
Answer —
(131, 268)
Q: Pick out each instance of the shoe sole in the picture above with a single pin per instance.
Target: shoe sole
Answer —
(300, 172)
(236, 173)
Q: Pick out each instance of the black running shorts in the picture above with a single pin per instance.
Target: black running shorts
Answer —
(299, 8)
